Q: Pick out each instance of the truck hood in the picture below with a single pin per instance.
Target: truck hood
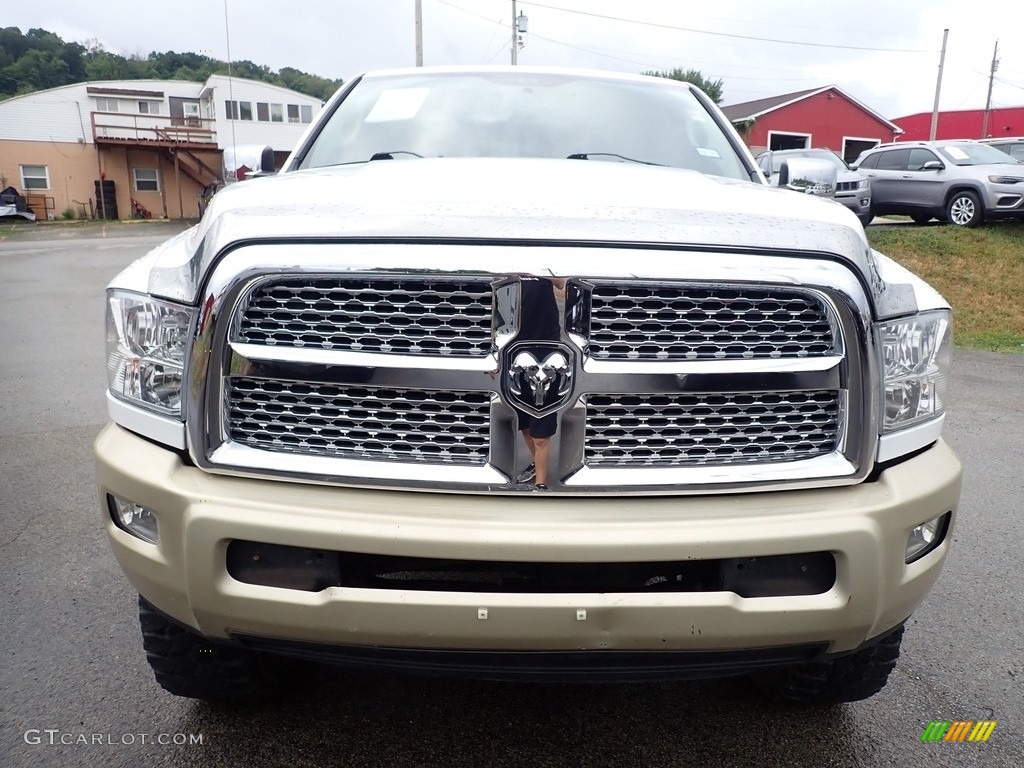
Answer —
(508, 200)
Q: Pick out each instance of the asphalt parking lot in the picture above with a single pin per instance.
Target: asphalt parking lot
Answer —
(72, 667)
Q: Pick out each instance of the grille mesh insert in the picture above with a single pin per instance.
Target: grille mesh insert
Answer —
(709, 429)
(359, 422)
(400, 316)
(691, 322)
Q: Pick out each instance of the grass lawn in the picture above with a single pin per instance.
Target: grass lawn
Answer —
(979, 271)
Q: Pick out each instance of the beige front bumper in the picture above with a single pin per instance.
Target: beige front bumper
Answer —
(865, 526)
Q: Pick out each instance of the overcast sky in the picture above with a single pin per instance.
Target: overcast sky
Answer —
(341, 38)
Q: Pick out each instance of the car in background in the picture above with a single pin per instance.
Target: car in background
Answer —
(852, 189)
(963, 182)
(1013, 146)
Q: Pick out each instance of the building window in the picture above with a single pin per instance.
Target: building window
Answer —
(149, 107)
(306, 112)
(262, 112)
(245, 110)
(35, 177)
(106, 105)
(293, 113)
(277, 113)
(231, 110)
(146, 180)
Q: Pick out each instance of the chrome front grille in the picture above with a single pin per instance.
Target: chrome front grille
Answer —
(638, 321)
(412, 316)
(709, 429)
(359, 422)
(683, 378)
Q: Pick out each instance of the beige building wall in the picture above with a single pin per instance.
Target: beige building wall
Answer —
(73, 168)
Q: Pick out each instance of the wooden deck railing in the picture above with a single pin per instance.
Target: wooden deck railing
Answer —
(120, 126)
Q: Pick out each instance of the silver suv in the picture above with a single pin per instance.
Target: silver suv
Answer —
(962, 182)
(852, 189)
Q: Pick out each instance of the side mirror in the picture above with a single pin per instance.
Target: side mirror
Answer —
(267, 162)
(268, 165)
(809, 175)
(933, 165)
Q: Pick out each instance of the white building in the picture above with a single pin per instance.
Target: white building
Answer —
(159, 141)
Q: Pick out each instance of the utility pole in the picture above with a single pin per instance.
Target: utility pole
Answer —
(515, 36)
(988, 99)
(519, 26)
(419, 33)
(938, 88)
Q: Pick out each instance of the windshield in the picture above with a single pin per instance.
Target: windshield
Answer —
(819, 154)
(975, 154)
(529, 114)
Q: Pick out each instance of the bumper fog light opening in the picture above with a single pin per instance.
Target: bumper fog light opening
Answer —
(925, 537)
(133, 519)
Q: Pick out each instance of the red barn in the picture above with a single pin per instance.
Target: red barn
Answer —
(819, 117)
(963, 124)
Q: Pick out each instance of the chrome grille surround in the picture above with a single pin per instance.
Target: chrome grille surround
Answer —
(846, 186)
(406, 315)
(712, 429)
(650, 321)
(218, 357)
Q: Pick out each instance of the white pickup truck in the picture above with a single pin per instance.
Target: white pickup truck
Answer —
(525, 373)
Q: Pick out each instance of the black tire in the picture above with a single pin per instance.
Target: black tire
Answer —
(848, 678)
(187, 664)
(963, 209)
(920, 218)
(866, 218)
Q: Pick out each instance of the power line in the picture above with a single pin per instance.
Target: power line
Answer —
(543, 37)
(497, 26)
(726, 34)
(603, 53)
(1001, 81)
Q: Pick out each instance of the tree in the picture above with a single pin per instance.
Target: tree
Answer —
(713, 88)
(100, 65)
(38, 70)
(39, 59)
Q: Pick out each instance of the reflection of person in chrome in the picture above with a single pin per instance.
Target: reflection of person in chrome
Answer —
(538, 319)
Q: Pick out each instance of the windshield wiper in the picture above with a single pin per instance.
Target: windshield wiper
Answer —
(588, 155)
(390, 155)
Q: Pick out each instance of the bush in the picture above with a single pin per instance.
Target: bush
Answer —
(68, 214)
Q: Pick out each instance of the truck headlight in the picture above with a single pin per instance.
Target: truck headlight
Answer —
(863, 184)
(917, 357)
(146, 340)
